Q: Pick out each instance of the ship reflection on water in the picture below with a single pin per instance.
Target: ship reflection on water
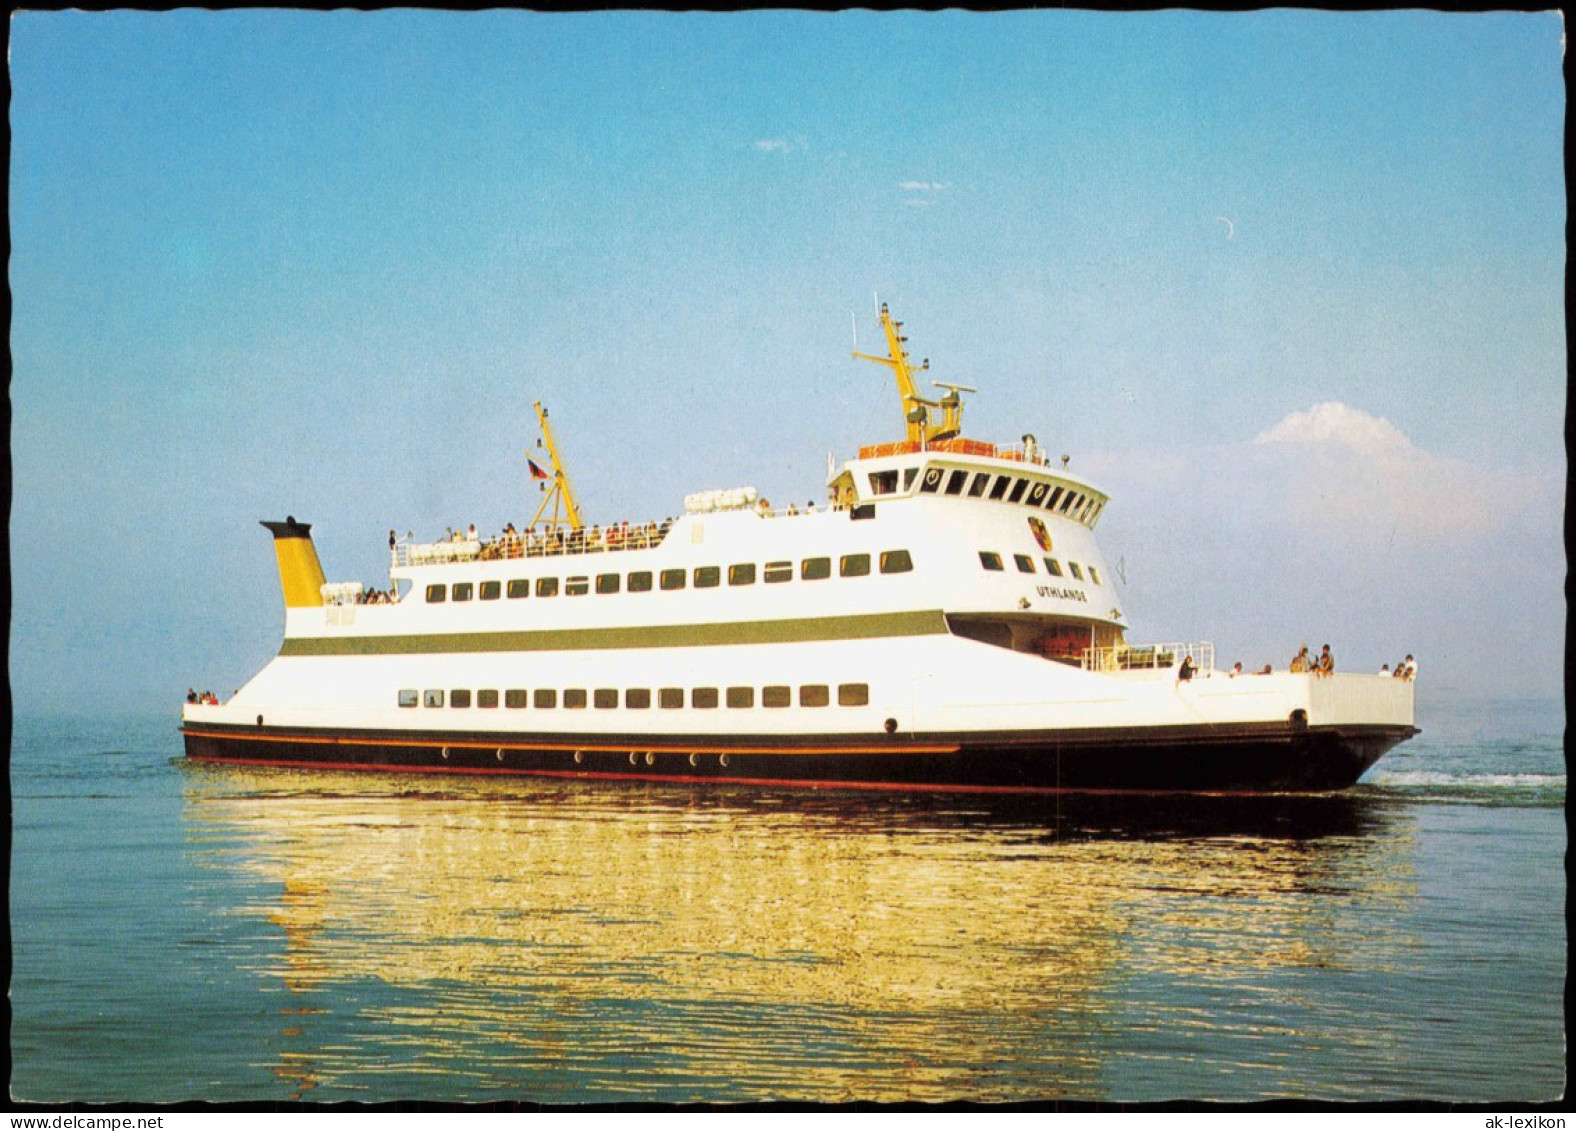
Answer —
(488, 940)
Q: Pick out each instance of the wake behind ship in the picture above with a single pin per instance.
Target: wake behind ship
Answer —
(945, 621)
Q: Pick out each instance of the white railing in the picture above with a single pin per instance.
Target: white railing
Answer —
(1150, 657)
(554, 544)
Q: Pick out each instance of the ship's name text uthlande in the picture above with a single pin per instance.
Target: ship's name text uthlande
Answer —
(1053, 591)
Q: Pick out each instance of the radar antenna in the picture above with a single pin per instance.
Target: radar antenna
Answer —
(560, 492)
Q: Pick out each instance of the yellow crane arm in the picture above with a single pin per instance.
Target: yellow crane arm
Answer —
(561, 495)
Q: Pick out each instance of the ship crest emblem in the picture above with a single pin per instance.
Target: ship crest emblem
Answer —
(1041, 535)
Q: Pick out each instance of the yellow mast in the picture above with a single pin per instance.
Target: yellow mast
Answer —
(916, 409)
(561, 494)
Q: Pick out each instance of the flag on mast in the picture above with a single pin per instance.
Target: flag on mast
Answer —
(537, 471)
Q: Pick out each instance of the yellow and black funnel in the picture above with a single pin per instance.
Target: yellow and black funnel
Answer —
(300, 573)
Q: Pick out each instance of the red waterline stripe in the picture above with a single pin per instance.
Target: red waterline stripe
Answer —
(690, 779)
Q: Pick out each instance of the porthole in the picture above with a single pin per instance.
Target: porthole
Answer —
(633, 758)
(580, 756)
(694, 759)
(723, 761)
(651, 758)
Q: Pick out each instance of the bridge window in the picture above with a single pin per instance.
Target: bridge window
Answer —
(909, 475)
(1000, 488)
(1050, 503)
(1019, 486)
(883, 482)
(931, 483)
(854, 565)
(1037, 493)
(977, 487)
(519, 587)
(955, 482)
(989, 560)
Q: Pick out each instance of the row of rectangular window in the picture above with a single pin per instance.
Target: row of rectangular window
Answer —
(1025, 564)
(703, 577)
(1032, 492)
(640, 698)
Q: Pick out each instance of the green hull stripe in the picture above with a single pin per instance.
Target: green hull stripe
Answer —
(863, 627)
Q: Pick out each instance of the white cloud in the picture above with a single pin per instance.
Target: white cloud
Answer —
(782, 144)
(1351, 472)
(924, 186)
(1340, 425)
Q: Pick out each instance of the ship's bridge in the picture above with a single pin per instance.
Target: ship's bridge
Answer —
(968, 469)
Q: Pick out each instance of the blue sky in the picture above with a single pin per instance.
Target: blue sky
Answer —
(269, 262)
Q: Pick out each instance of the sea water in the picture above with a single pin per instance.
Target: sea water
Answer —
(187, 932)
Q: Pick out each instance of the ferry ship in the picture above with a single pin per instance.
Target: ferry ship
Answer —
(943, 621)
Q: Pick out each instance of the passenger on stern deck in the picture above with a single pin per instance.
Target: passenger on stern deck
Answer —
(1326, 664)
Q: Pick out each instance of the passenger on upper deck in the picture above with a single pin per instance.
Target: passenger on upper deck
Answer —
(1301, 662)
(1326, 664)
(1186, 670)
